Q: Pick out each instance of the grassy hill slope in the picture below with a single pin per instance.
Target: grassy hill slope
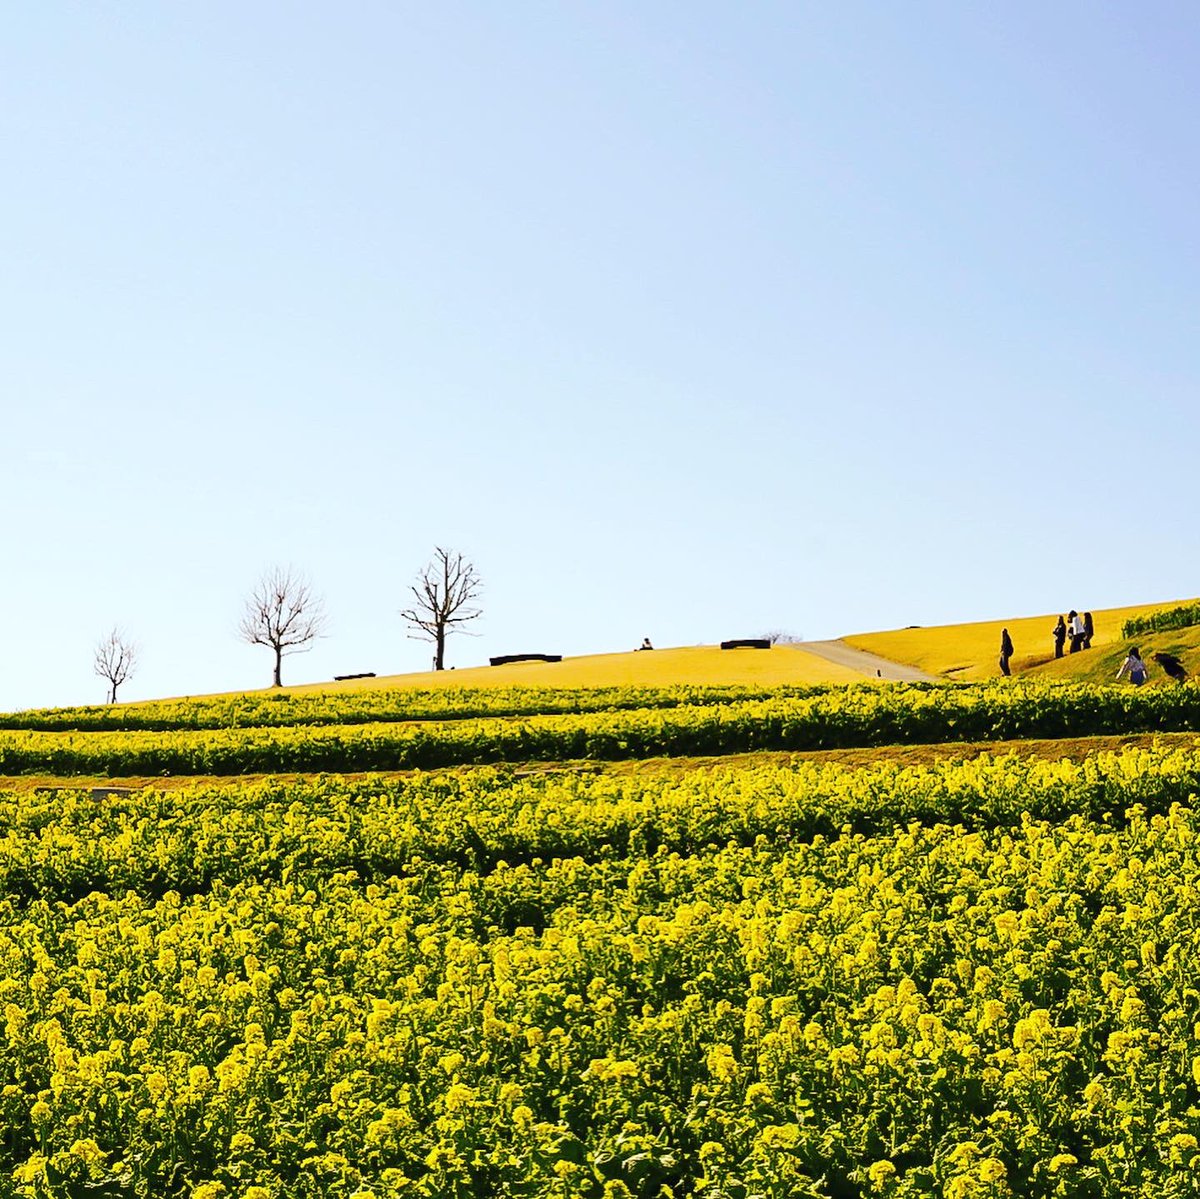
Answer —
(1100, 664)
(704, 665)
(958, 653)
(967, 652)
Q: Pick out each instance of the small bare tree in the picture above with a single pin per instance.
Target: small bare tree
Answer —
(284, 614)
(444, 592)
(115, 660)
(781, 637)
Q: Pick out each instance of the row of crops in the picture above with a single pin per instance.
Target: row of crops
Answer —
(290, 709)
(827, 719)
(904, 709)
(723, 982)
(1183, 617)
(56, 846)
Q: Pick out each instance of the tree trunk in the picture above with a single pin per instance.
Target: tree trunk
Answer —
(439, 656)
(278, 682)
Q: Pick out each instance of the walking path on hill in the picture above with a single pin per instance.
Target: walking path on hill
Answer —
(870, 665)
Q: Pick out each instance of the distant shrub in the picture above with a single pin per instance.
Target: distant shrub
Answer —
(1156, 622)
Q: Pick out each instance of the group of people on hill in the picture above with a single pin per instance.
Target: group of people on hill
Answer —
(1080, 629)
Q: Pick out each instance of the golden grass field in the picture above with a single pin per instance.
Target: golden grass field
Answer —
(957, 653)
(966, 652)
(704, 665)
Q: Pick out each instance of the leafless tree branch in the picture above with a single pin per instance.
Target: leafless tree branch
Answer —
(115, 660)
(284, 614)
(444, 596)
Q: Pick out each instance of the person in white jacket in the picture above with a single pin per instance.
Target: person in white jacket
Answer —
(1077, 630)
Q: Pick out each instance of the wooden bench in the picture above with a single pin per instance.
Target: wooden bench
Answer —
(747, 643)
(505, 659)
(341, 678)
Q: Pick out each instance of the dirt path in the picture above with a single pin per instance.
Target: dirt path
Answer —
(870, 665)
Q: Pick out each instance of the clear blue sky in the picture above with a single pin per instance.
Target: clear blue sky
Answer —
(681, 320)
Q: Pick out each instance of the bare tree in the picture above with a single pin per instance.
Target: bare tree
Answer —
(115, 660)
(284, 614)
(781, 637)
(444, 592)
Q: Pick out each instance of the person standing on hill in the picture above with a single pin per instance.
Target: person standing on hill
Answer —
(1076, 629)
(1089, 630)
(1136, 667)
(1060, 637)
(1006, 652)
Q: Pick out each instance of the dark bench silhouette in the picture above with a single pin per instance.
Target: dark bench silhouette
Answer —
(341, 678)
(505, 659)
(747, 643)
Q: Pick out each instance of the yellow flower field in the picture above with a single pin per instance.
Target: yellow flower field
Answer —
(931, 1010)
(970, 979)
(630, 725)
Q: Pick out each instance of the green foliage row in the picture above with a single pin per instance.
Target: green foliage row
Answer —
(832, 719)
(1181, 617)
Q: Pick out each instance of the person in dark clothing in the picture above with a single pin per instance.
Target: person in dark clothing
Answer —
(1172, 667)
(1060, 637)
(1006, 652)
(1088, 630)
